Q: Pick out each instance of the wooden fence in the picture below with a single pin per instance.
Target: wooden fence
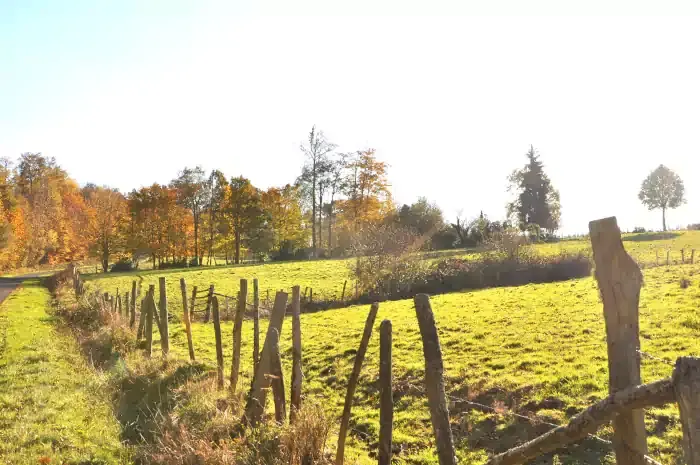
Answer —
(619, 280)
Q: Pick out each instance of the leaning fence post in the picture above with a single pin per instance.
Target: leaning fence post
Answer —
(434, 382)
(186, 317)
(163, 304)
(238, 333)
(256, 325)
(620, 280)
(255, 404)
(208, 309)
(217, 337)
(296, 355)
(342, 296)
(352, 383)
(686, 378)
(277, 378)
(150, 310)
(386, 401)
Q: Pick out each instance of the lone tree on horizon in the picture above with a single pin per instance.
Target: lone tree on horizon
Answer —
(662, 189)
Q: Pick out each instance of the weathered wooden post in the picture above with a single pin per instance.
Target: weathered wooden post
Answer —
(119, 305)
(132, 310)
(194, 301)
(186, 317)
(219, 349)
(277, 378)
(668, 257)
(620, 280)
(142, 319)
(311, 295)
(238, 333)
(210, 295)
(352, 383)
(256, 325)
(686, 377)
(386, 401)
(342, 296)
(256, 399)
(163, 304)
(150, 311)
(296, 355)
(434, 382)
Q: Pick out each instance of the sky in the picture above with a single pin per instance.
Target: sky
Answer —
(450, 94)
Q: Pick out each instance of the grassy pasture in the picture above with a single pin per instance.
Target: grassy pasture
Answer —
(536, 349)
(52, 406)
(326, 277)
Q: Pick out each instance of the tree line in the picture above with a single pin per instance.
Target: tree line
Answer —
(205, 217)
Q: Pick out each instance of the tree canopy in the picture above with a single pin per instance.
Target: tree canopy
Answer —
(662, 189)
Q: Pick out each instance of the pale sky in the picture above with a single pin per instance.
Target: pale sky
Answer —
(127, 93)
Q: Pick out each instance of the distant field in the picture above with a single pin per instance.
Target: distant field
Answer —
(537, 349)
(326, 277)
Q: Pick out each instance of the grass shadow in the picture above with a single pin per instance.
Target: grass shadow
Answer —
(651, 236)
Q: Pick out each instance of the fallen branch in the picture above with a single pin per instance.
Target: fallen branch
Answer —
(587, 422)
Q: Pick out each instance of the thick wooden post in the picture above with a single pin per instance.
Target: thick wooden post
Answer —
(434, 382)
(255, 405)
(151, 312)
(163, 304)
(219, 349)
(256, 325)
(296, 354)
(119, 304)
(620, 280)
(686, 377)
(194, 301)
(127, 304)
(238, 333)
(186, 317)
(342, 296)
(277, 378)
(352, 383)
(386, 401)
(132, 319)
(207, 312)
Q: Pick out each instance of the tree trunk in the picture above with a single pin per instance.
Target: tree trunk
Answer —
(330, 228)
(663, 217)
(320, 215)
(238, 247)
(313, 210)
(105, 260)
(196, 236)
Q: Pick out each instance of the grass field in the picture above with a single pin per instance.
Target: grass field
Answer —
(536, 349)
(326, 277)
(52, 406)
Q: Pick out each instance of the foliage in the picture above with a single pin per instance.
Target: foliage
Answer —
(245, 210)
(694, 227)
(639, 229)
(423, 218)
(662, 189)
(536, 201)
(124, 264)
(106, 229)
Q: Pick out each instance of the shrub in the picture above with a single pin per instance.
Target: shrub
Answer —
(639, 229)
(124, 264)
(694, 227)
(175, 264)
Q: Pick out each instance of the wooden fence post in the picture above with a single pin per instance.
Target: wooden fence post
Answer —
(620, 280)
(238, 333)
(352, 383)
(386, 401)
(208, 309)
(194, 300)
(219, 349)
(163, 304)
(686, 378)
(119, 304)
(127, 304)
(434, 382)
(255, 404)
(311, 295)
(277, 378)
(186, 317)
(342, 296)
(256, 325)
(296, 355)
(142, 319)
(150, 310)
(132, 310)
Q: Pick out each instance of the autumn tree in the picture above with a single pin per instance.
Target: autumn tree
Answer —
(217, 185)
(244, 208)
(106, 228)
(311, 180)
(662, 189)
(192, 192)
(283, 208)
(536, 201)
